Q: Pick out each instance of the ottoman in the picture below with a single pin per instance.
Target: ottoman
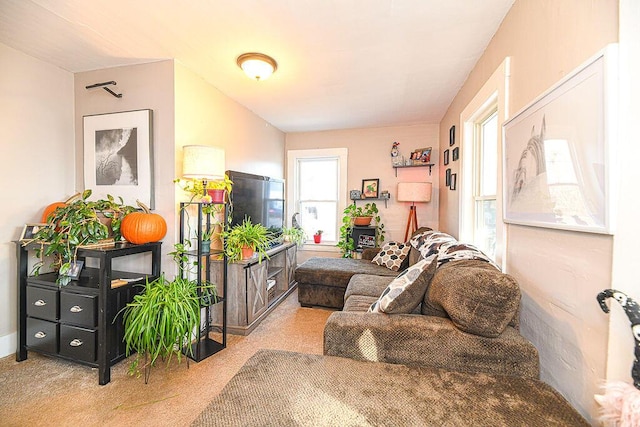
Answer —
(278, 388)
(323, 281)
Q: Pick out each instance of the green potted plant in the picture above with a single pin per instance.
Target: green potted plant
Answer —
(248, 237)
(215, 189)
(294, 235)
(81, 222)
(349, 219)
(161, 320)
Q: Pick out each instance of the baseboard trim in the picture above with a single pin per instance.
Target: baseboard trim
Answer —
(8, 344)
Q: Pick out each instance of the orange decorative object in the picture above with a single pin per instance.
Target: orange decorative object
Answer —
(362, 220)
(55, 205)
(143, 227)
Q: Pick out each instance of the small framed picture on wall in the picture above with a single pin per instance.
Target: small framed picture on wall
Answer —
(445, 157)
(456, 153)
(452, 135)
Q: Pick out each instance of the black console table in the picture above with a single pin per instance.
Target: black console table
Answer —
(80, 321)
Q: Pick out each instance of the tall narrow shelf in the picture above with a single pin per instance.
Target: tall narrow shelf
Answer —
(80, 321)
(196, 218)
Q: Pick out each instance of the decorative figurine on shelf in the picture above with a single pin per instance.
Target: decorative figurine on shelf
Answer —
(621, 402)
(396, 159)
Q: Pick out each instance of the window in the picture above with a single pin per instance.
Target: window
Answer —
(485, 182)
(317, 190)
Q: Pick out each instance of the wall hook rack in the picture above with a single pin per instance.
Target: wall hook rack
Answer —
(104, 86)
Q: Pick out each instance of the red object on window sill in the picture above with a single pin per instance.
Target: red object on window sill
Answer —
(317, 237)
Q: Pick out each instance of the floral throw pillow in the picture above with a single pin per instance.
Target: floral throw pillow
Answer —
(407, 290)
(391, 255)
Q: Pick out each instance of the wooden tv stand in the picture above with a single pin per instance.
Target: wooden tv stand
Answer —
(256, 288)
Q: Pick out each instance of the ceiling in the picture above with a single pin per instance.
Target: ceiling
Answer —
(341, 63)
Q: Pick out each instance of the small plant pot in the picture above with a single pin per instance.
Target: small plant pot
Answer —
(362, 221)
(247, 252)
(317, 238)
(206, 246)
(217, 196)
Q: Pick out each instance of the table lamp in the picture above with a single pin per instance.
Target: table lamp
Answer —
(414, 192)
(203, 162)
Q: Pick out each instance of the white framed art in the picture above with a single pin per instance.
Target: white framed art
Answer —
(557, 151)
(118, 156)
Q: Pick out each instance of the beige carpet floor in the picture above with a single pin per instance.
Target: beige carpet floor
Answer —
(42, 391)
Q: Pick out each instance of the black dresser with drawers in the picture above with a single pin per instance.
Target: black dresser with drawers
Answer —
(82, 321)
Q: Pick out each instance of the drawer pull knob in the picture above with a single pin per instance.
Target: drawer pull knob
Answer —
(40, 334)
(75, 309)
(40, 303)
(76, 343)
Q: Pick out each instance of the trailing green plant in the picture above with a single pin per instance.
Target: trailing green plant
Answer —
(247, 234)
(345, 241)
(162, 320)
(82, 222)
(294, 235)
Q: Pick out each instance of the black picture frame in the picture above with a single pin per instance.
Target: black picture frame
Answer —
(447, 180)
(74, 269)
(452, 135)
(29, 231)
(456, 154)
(370, 188)
(445, 157)
(452, 185)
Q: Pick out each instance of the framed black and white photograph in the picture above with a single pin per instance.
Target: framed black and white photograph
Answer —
(118, 156)
(452, 135)
(29, 231)
(452, 183)
(370, 188)
(445, 157)
(556, 152)
(447, 178)
(456, 154)
(74, 269)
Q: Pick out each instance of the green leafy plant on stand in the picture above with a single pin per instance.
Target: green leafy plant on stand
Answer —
(82, 222)
(162, 320)
(350, 213)
(294, 235)
(247, 234)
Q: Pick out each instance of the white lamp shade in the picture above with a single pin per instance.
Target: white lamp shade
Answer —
(414, 191)
(202, 162)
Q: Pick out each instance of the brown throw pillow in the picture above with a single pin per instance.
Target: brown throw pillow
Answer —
(478, 298)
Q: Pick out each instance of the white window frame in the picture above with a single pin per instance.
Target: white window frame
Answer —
(494, 92)
(293, 158)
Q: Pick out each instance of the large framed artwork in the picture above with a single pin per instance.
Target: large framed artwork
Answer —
(557, 166)
(118, 155)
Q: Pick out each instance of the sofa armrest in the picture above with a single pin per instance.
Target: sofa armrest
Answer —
(413, 339)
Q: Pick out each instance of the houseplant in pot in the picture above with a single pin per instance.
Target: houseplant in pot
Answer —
(161, 320)
(247, 236)
(216, 189)
(350, 218)
(317, 238)
(81, 222)
(294, 235)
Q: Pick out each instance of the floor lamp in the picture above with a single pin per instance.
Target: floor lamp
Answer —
(414, 192)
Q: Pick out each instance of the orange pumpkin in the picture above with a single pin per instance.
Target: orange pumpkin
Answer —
(143, 227)
(55, 205)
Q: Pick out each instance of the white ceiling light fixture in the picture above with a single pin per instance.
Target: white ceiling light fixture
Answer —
(257, 65)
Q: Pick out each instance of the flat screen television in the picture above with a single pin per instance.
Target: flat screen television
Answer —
(259, 198)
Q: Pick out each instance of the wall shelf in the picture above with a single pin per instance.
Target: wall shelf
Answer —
(429, 165)
(386, 199)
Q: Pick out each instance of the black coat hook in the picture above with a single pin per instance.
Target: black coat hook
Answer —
(104, 86)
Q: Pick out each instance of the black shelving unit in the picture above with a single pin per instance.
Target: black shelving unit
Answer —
(80, 321)
(191, 229)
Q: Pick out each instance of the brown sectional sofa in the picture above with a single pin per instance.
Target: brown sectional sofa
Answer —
(468, 319)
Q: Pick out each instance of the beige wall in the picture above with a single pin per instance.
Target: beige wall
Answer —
(369, 157)
(145, 86)
(560, 272)
(36, 116)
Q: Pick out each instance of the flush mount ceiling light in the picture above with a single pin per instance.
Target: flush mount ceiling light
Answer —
(257, 65)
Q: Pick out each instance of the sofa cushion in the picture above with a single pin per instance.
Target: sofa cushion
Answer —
(446, 247)
(392, 254)
(406, 291)
(359, 303)
(367, 284)
(478, 298)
